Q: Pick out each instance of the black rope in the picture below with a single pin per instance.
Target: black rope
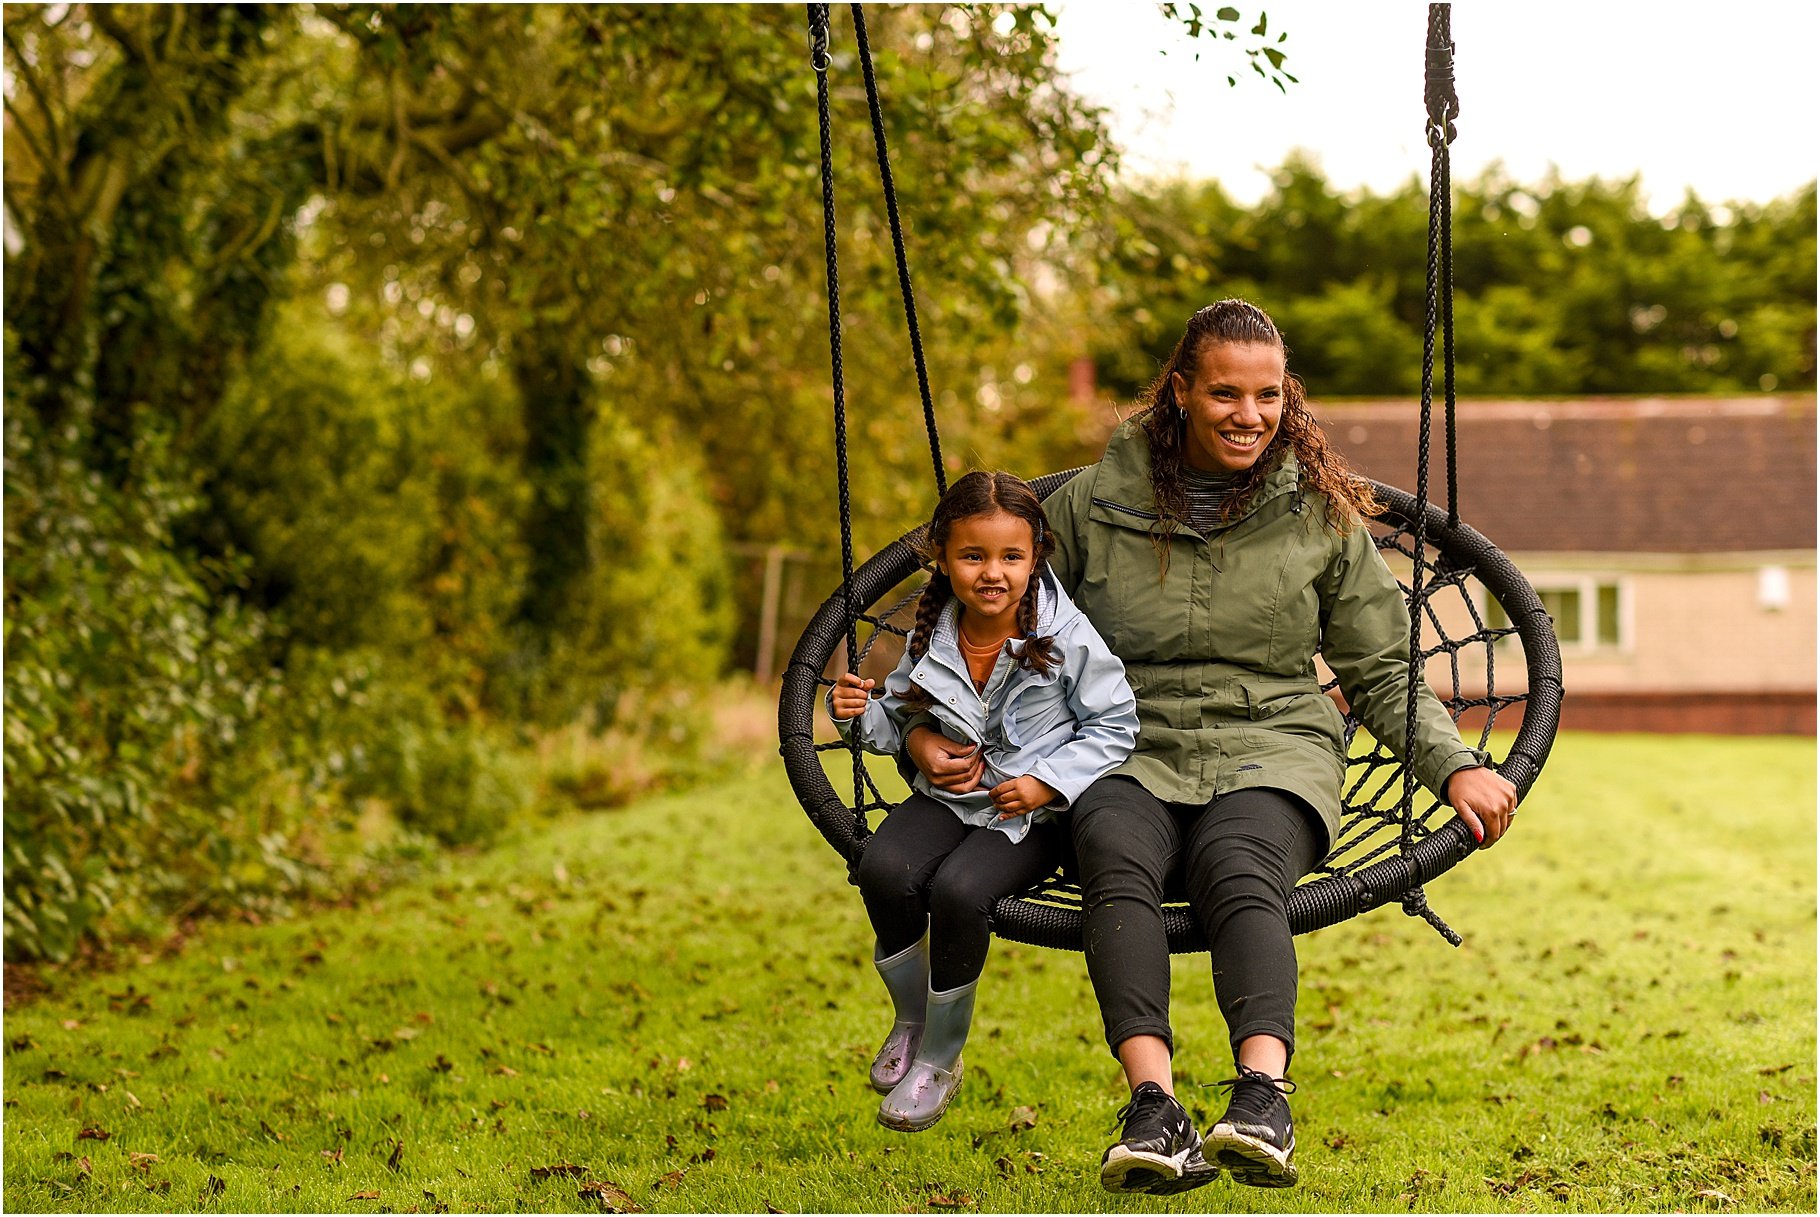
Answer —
(1442, 106)
(818, 59)
(897, 242)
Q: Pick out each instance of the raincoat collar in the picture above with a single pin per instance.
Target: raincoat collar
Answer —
(1124, 479)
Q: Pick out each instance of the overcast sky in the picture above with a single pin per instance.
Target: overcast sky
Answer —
(1718, 95)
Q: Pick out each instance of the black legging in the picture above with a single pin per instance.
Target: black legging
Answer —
(923, 867)
(1240, 856)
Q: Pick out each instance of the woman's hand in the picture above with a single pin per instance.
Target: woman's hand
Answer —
(1485, 800)
(1020, 796)
(948, 765)
(850, 696)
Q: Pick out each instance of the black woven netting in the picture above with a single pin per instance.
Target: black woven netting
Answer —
(1490, 653)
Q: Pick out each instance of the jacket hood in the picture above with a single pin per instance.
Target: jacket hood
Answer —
(1124, 476)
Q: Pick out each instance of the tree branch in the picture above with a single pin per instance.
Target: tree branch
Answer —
(23, 66)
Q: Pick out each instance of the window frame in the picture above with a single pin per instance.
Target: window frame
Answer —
(1587, 587)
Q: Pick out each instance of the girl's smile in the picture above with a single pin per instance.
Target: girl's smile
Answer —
(988, 560)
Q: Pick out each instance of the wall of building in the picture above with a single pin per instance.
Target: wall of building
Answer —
(1722, 643)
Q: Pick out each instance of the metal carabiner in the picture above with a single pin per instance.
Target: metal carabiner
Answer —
(819, 58)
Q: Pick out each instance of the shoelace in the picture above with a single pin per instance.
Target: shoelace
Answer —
(1254, 1092)
(1150, 1098)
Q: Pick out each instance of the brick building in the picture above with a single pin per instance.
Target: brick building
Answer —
(1672, 540)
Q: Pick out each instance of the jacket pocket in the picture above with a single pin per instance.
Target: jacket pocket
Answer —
(1036, 713)
(1266, 698)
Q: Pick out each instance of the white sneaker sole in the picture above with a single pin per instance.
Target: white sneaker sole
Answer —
(1250, 1160)
(1126, 1170)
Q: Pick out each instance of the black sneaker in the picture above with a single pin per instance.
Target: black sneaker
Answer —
(1255, 1139)
(1160, 1153)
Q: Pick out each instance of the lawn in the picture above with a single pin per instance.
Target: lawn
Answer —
(669, 1007)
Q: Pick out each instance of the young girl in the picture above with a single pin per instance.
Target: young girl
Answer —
(1001, 659)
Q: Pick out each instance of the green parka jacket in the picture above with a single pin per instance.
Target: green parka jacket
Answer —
(1220, 649)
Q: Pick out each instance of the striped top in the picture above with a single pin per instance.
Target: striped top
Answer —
(1207, 494)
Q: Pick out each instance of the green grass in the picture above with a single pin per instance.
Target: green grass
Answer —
(674, 998)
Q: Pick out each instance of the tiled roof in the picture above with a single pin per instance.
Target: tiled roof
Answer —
(1665, 475)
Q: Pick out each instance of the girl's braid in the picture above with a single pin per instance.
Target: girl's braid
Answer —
(928, 611)
(936, 594)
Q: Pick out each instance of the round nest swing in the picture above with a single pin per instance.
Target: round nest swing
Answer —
(1393, 838)
(1371, 862)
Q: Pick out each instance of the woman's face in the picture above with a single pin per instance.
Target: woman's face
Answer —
(1233, 404)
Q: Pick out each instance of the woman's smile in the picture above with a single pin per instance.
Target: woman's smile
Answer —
(1233, 406)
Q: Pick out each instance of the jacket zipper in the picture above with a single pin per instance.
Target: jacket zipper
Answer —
(1130, 511)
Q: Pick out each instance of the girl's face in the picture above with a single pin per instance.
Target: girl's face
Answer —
(988, 559)
(1233, 405)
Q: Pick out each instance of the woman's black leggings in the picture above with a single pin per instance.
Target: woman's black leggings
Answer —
(1240, 856)
(924, 868)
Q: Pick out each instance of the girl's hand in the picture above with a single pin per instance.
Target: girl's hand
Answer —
(1485, 800)
(950, 766)
(1021, 796)
(850, 696)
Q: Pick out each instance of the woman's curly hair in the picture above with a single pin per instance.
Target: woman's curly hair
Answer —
(1349, 497)
(979, 494)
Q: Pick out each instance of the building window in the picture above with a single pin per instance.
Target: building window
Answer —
(1563, 605)
(1589, 614)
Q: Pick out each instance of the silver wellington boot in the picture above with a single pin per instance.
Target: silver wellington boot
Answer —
(919, 1100)
(906, 977)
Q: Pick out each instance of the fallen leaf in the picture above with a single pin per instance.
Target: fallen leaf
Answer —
(610, 1196)
(214, 1187)
(673, 1179)
(92, 1133)
(367, 1195)
(772, 1208)
(70, 1024)
(1716, 1195)
(714, 1102)
(334, 1156)
(442, 1064)
(132, 1100)
(84, 1165)
(269, 1131)
(506, 1071)
(141, 1161)
(1022, 1118)
(561, 1168)
(959, 1200)
(392, 1162)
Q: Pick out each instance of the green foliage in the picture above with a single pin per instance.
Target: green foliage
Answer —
(127, 699)
(1561, 287)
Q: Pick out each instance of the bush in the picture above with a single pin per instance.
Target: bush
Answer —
(125, 691)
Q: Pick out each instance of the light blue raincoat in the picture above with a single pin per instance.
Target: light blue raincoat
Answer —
(1066, 729)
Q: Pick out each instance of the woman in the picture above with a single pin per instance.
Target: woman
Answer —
(1218, 546)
